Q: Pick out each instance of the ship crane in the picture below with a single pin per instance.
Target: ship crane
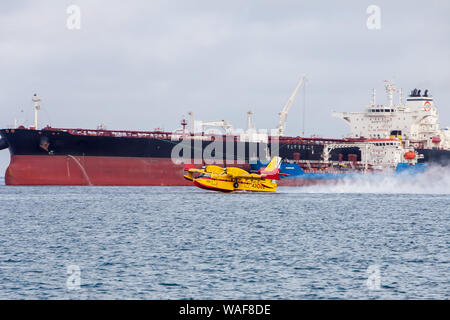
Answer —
(284, 112)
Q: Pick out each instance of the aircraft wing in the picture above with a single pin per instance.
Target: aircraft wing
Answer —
(193, 170)
(253, 176)
(245, 176)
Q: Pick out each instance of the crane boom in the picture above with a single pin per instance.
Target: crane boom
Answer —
(284, 112)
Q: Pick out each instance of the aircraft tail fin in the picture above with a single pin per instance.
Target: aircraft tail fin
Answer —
(273, 169)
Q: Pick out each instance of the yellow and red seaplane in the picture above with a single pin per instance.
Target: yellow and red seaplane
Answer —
(235, 179)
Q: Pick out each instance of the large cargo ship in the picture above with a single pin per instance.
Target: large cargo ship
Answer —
(383, 138)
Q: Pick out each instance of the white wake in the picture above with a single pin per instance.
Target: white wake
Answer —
(435, 180)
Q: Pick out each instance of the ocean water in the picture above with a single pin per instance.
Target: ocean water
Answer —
(386, 239)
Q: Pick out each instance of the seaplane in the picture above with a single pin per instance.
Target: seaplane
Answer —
(231, 179)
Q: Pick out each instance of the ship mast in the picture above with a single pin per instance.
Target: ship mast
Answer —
(191, 122)
(37, 107)
(390, 89)
(374, 97)
(249, 120)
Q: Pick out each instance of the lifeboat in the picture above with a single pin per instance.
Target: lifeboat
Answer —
(436, 139)
(410, 155)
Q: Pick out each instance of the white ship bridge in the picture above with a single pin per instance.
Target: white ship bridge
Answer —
(416, 121)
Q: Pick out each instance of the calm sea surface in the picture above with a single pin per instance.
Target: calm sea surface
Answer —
(186, 243)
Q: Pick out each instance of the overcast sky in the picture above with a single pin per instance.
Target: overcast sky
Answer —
(146, 64)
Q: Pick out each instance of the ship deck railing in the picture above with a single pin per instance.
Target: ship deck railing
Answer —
(180, 135)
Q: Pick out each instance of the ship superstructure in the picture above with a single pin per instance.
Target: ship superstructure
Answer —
(416, 121)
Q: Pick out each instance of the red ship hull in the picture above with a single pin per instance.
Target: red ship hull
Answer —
(95, 171)
(105, 171)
